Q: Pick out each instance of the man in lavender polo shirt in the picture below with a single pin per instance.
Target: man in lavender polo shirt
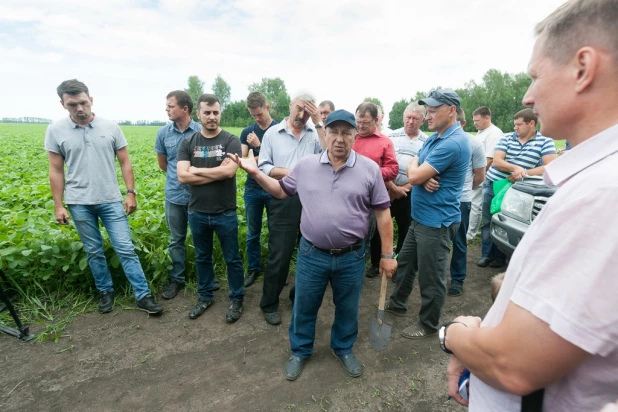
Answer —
(338, 190)
(554, 324)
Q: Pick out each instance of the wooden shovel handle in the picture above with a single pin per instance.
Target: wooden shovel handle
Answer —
(383, 288)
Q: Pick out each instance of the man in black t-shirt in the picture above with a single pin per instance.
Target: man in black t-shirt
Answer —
(256, 198)
(203, 164)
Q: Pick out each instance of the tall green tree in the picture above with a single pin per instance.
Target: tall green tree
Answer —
(236, 115)
(222, 90)
(277, 95)
(195, 89)
(395, 116)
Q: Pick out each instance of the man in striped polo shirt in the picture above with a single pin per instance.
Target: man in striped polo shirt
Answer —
(520, 154)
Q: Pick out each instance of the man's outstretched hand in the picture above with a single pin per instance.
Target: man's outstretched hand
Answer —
(248, 164)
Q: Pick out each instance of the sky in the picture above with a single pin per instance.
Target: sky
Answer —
(131, 53)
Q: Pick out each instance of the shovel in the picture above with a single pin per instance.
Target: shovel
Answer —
(380, 332)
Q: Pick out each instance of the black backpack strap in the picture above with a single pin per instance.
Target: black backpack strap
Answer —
(533, 402)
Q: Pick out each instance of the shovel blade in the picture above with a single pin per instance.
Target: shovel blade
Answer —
(379, 334)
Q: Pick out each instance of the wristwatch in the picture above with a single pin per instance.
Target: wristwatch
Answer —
(319, 125)
(442, 335)
(132, 191)
(389, 256)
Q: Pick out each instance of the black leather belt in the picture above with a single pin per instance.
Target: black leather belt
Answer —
(342, 251)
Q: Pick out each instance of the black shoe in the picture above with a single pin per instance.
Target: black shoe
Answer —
(484, 261)
(497, 263)
(292, 294)
(455, 290)
(372, 272)
(272, 318)
(106, 301)
(293, 367)
(350, 364)
(148, 304)
(251, 277)
(233, 313)
(171, 289)
(199, 308)
(217, 285)
(394, 311)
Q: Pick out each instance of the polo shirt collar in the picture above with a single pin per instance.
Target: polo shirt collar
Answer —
(348, 163)
(584, 155)
(283, 125)
(92, 124)
(448, 132)
(536, 136)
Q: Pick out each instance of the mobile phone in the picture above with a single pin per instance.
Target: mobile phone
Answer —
(464, 384)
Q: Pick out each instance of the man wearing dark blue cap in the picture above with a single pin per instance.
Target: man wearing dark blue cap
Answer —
(438, 173)
(338, 190)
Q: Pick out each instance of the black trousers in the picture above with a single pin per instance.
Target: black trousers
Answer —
(283, 227)
(401, 210)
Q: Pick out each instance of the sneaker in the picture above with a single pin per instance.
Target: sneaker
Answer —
(372, 272)
(497, 263)
(233, 313)
(147, 304)
(199, 308)
(106, 301)
(483, 262)
(171, 289)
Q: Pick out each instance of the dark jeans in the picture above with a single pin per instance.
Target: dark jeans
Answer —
(488, 248)
(460, 246)
(225, 225)
(314, 270)
(283, 226)
(426, 248)
(256, 200)
(177, 217)
(401, 210)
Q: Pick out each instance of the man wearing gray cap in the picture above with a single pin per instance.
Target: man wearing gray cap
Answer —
(338, 190)
(438, 174)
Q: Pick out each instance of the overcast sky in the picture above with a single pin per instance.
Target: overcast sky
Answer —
(131, 53)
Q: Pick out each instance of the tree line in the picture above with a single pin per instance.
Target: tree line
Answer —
(501, 92)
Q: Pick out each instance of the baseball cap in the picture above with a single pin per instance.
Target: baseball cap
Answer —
(341, 116)
(440, 97)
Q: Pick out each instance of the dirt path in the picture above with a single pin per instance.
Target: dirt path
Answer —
(125, 361)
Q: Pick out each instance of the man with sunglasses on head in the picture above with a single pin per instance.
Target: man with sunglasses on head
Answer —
(438, 175)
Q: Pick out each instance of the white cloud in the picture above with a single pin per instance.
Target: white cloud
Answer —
(132, 53)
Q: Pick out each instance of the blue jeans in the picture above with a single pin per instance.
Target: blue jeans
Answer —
(256, 200)
(86, 218)
(314, 270)
(225, 225)
(177, 218)
(488, 248)
(460, 246)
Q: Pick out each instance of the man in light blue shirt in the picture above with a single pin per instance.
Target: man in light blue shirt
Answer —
(179, 107)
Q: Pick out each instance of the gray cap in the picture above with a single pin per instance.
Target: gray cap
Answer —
(440, 97)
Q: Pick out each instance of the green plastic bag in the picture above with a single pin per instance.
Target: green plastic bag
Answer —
(500, 188)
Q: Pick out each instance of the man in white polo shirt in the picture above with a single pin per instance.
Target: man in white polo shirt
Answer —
(554, 324)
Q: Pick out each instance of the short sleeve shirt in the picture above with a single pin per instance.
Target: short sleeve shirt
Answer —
(449, 156)
(336, 204)
(405, 150)
(477, 161)
(202, 152)
(90, 157)
(490, 138)
(167, 143)
(564, 273)
(254, 128)
(528, 155)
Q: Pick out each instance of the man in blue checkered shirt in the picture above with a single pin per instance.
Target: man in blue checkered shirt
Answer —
(520, 154)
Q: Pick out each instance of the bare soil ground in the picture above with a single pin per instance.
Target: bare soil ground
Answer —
(126, 361)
